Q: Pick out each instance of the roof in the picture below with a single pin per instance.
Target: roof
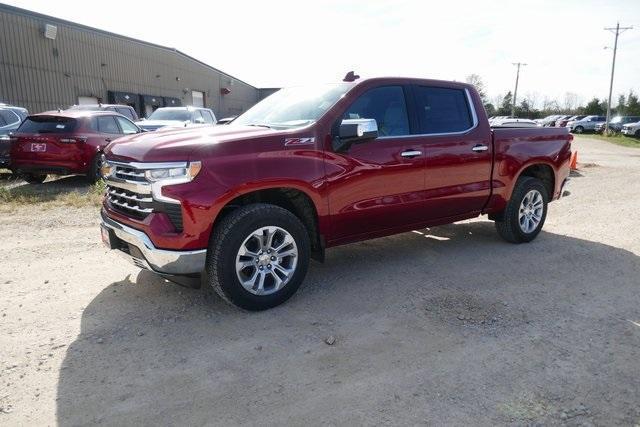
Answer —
(74, 114)
(53, 19)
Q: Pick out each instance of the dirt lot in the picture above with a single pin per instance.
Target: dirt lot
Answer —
(449, 325)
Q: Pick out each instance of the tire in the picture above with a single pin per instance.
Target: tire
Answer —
(510, 227)
(637, 134)
(238, 233)
(94, 174)
(34, 178)
(578, 129)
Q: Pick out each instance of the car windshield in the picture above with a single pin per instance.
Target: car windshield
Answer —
(47, 124)
(293, 107)
(178, 115)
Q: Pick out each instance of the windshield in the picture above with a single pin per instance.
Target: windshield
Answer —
(293, 107)
(178, 115)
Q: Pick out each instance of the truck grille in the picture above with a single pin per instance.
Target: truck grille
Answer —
(129, 193)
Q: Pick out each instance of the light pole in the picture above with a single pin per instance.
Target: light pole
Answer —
(515, 92)
(617, 31)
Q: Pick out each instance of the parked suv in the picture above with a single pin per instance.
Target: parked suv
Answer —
(177, 117)
(314, 167)
(10, 119)
(617, 123)
(631, 129)
(587, 124)
(126, 110)
(67, 142)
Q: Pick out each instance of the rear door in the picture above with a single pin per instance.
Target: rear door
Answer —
(376, 184)
(457, 149)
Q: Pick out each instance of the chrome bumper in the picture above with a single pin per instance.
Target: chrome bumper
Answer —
(137, 247)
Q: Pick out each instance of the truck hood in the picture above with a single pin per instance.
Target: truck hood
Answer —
(175, 145)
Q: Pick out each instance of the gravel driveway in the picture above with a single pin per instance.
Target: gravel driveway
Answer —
(448, 325)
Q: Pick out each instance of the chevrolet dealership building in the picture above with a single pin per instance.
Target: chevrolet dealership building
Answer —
(48, 63)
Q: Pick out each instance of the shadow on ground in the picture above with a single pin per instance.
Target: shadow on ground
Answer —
(449, 325)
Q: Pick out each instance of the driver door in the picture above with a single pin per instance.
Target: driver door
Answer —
(377, 185)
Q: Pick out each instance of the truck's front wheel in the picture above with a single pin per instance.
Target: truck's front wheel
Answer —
(258, 256)
(526, 212)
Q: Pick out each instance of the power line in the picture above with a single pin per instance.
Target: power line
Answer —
(515, 92)
(617, 31)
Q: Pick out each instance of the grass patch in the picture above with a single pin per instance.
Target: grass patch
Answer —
(11, 198)
(619, 139)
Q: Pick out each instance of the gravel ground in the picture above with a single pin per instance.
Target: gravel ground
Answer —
(448, 325)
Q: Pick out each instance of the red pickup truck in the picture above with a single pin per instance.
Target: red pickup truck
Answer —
(309, 168)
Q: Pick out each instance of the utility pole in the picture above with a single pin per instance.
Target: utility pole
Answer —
(617, 31)
(515, 92)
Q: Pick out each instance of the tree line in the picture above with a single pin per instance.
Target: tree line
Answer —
(527, 105)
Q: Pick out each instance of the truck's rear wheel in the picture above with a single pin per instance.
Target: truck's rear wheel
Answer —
(526, 212)
(258, 256)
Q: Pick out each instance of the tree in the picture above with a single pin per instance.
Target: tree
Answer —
(490, 109)
(621, 108)
(633, 106)
(570, 102)
(505, 106)
(476, 81)
(594, 107)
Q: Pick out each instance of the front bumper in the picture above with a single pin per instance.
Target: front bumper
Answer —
(136, 245)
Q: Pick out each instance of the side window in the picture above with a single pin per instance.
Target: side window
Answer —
(3, 122)
(107, 124)
(8, 118)
(442, 110)
(125, 112)
(127, 127)
(208, 117)
(384, 104)
(197, 117)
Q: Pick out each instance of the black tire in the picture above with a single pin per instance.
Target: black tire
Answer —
(226, 240)
(34, 178)
(637, 134)
(578, 129)
(509, 227)
(94, 174)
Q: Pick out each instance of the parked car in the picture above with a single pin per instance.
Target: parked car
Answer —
(617, 122)
(10, 119)
(126, 110)
(311, 168)
(515, 123)
(557, 122)
(587, 124)
(177, 116)
(66, 142)
(549, 120)
(226, 120)
(560, 123)
(631, 129)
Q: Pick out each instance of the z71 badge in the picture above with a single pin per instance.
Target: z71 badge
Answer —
(288, 142)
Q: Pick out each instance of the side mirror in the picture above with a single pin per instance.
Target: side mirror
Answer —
(354, 131)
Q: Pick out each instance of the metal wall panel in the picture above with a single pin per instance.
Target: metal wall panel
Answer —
(42, 74)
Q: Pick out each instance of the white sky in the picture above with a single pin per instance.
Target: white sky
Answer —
(273, 43)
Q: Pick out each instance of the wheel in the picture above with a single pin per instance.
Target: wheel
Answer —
(525, 213)
(637, 134)
(94, 174)
(258, 256)
(34, 178)
(578, 129)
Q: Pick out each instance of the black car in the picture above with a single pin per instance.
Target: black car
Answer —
(10, 119)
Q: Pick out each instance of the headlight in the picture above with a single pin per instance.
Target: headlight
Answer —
(179, 173)
(106, 168)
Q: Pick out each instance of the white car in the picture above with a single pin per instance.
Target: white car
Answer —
(515, 123)
(631, 129)
(178, 117)
(588, 123)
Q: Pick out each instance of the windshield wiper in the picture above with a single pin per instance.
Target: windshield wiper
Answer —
(262, 125)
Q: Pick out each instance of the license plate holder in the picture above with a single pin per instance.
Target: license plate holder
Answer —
(107, 238)
(38, 147)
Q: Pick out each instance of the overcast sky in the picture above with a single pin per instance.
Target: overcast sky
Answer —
(281, 43)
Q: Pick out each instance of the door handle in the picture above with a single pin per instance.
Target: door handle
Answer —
(480, 147)
(409, 154)
(107, 139)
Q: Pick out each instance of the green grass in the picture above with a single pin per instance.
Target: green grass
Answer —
(619, 139)
(12, 198)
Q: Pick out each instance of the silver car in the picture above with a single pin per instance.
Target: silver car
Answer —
(587, 124)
